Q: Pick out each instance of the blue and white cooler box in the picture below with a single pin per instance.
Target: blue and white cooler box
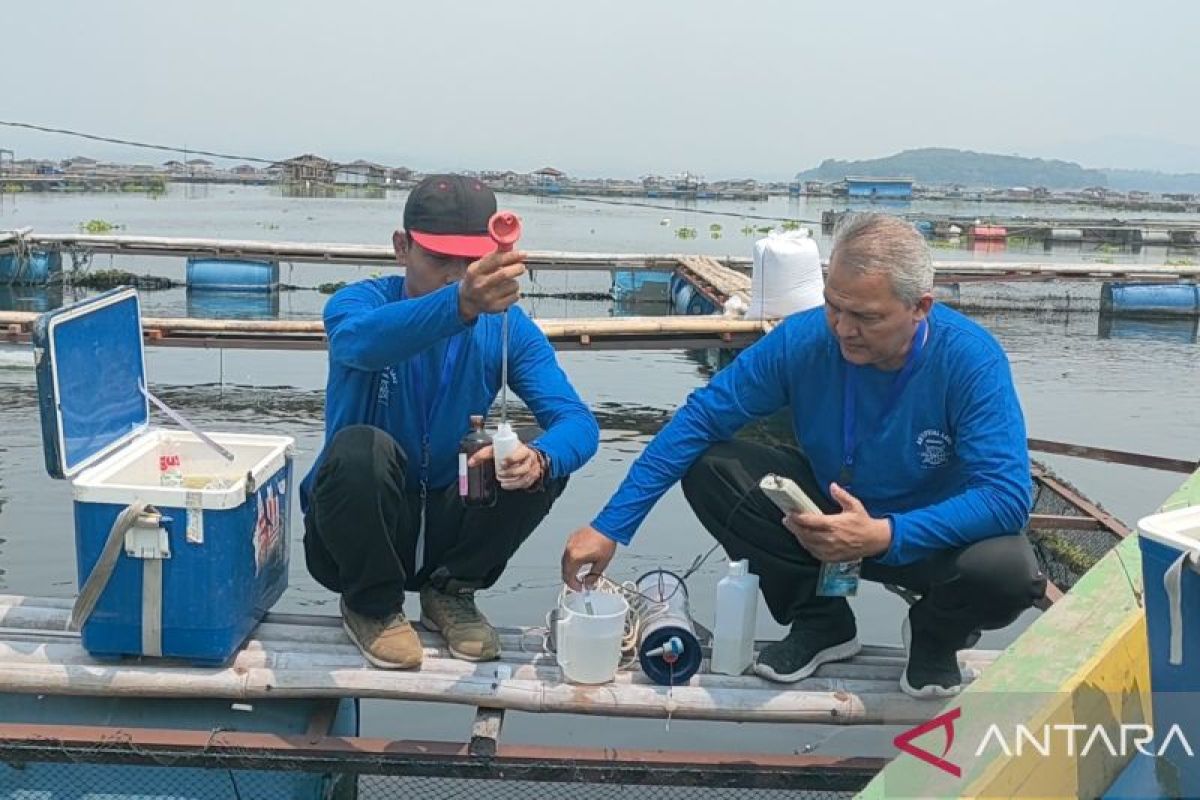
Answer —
(180, 551)
(1170, 545)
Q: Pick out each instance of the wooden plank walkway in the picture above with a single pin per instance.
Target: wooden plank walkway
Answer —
(310, 656)
(715, 281)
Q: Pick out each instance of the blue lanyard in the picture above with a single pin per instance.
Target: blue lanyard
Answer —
(850, 440)
(430, 402)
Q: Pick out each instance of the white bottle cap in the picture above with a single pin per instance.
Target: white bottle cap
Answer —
(738, 568)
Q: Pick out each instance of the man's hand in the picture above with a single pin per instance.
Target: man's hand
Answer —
(490, 284)
(520, 470)
(587, 546)
(848, 536)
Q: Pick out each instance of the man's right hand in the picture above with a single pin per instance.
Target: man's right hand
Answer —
(490, 284)
(587, 546)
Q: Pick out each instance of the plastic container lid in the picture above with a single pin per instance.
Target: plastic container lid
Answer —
(1179, 529)
(739, 568)
(91, 374)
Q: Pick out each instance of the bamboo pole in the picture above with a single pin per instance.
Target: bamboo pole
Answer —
(598, 326)
(22, 614)
(64, 653)
(625, 700)
(335, 252)
(437, 657)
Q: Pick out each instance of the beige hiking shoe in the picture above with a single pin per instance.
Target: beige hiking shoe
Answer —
(389, 643)
(468, 633)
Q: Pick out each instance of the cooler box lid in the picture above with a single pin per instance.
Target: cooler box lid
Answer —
(91, 372)
(1179, 529)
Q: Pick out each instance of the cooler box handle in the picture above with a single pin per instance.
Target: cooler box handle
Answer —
(138, 529)
(1173, 584)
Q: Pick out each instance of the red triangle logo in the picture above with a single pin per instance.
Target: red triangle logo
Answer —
(904, 741)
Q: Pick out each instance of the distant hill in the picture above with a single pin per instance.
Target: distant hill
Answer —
(1126, 179)
(943, 165)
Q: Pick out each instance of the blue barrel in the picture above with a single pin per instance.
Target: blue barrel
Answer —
(924, 226)
(1150, 299)
(37, 269)
(685, 299)
(229, 275)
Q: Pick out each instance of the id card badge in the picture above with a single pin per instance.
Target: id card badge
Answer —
(838, 578)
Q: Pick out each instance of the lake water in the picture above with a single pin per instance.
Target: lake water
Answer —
(1080, 379)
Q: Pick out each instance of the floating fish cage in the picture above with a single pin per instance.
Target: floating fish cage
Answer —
(1069, 533)
(229, 275)
(641, 286)
(99, 768)
(36, 268)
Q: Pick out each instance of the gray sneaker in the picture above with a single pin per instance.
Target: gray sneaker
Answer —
(468, 633)
(389, 643)
(801, 652)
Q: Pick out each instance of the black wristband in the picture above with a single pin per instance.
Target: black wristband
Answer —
(544, 471)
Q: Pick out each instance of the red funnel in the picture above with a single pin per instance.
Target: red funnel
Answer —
(505, 229)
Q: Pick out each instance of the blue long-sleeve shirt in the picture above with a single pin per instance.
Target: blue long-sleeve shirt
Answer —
(379, 339)
(949, 464)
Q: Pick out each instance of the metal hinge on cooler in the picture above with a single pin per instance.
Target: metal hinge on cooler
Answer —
(147, 538)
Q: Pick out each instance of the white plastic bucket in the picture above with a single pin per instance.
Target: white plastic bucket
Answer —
(588, 646)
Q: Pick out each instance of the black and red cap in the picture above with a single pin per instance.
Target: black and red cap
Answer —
(448, 215)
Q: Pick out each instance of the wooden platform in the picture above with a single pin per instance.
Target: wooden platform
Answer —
(715, 281)
(605, 333)
(310, 656)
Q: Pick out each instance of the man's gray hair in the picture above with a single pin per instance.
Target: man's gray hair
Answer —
(874, 242)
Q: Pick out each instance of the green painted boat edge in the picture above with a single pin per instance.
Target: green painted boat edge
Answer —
(1097, 615)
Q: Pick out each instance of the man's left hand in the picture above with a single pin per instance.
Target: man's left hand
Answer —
(847, 536)
(521, 470)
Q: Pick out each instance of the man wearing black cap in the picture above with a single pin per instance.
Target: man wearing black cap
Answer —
(411, 359)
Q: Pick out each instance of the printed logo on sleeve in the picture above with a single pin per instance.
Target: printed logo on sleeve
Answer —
(935, 448)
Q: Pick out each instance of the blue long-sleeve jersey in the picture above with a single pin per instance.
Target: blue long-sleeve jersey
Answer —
(949, 464)
(379, 340)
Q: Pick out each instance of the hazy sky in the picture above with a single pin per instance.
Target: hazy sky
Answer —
(723, 88)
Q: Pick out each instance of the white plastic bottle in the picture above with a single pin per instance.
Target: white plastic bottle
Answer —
(733, 633)
(504, 443)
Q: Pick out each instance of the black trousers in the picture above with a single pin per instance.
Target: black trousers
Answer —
(983, 586)
(361, 527)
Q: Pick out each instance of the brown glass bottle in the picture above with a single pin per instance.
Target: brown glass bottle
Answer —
(476, 485)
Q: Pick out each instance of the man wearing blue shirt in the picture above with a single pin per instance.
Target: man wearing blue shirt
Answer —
(410, 361)
(910, 438)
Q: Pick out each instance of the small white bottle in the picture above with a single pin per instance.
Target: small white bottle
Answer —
(504, 444)
(733, 633)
